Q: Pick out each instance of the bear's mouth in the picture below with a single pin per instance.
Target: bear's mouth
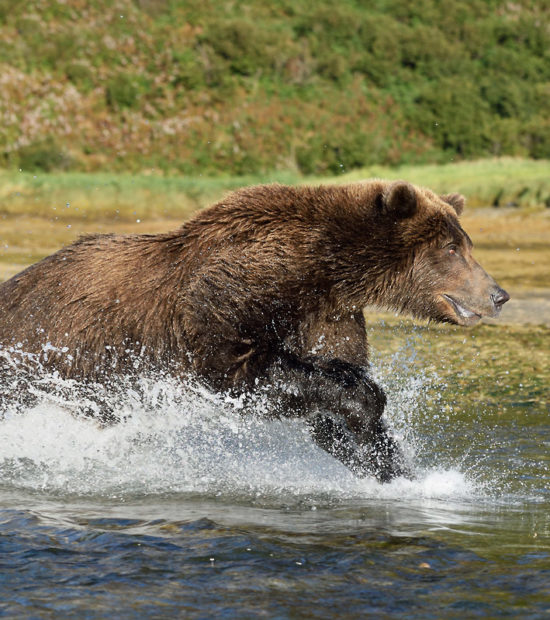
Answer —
(466, 316)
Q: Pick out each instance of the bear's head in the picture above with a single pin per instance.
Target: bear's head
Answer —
(436, 275)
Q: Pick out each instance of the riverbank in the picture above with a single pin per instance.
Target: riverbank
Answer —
(500, 183)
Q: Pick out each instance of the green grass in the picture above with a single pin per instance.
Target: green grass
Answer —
(73, 196)
(486, 182)
(483, 363)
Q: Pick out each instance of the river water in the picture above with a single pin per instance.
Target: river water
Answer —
(187, 509)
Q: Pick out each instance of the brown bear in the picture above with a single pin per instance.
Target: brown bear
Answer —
(263, 291)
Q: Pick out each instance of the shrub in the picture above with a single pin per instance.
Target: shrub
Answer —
(124, 91)
(187, 70)
(43, 155)
(537, 137)
(241, 43)
(81, 75)
(329, 85)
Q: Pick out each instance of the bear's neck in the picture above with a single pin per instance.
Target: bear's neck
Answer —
(367, 268)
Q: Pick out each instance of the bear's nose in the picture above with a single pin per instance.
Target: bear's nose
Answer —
(500, 297)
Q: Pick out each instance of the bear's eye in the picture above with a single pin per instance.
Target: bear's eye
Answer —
(452, 249)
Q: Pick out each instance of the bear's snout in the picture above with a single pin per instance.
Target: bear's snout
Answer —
(499, 298)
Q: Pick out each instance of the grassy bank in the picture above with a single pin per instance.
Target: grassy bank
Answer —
(520, 183)
(483, 363)
(72, 196)
(40, 213)
(513, 182)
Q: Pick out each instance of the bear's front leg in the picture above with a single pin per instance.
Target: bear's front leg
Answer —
(379, 456)
(344, 408)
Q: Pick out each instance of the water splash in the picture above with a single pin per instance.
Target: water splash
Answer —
(176, 437)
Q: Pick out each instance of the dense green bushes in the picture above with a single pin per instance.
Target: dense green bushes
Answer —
(45, 155)
(245, 87)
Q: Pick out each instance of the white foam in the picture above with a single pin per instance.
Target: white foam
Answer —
(178, 438)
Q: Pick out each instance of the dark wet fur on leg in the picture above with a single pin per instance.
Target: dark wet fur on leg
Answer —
(381, 458)
(353, 431)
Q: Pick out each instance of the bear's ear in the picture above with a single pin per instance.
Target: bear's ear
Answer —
(456, 201)
(399, 200)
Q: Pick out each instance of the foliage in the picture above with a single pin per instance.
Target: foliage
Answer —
(250, 87)
(42, 155)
